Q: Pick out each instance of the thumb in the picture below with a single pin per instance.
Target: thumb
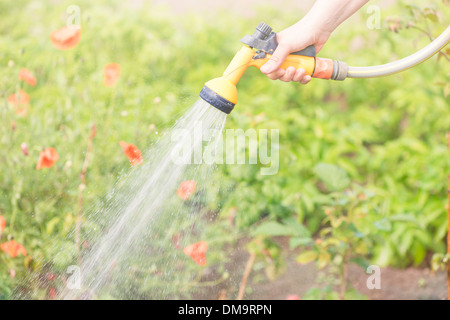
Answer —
(275, 61)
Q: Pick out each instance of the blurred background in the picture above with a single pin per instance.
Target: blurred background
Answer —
(363, 163)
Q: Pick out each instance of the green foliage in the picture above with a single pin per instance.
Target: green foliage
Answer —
(363, 163)
(334, 177)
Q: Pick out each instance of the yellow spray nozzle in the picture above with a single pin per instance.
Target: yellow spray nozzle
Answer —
(221, 92)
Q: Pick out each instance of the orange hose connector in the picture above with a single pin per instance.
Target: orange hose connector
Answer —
(324, 68)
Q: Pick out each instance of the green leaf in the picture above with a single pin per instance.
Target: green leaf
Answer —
(334, 177)
(313, 294)
(51, 225)
(324, 260)
(383, 225)
(273, 228)
(431, 14)
(405, 218)
(295, 242)
(352, 294)
(332, 295)
(405, 243)
(290, 228)
(363, 263)
(62, 253)
(307, 257)
(299, 229)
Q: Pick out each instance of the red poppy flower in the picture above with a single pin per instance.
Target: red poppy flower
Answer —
(27, 76)
(19, 101)
(292, 297)
(112, 73)
(51, 276)
(186, 189)
(197, 252)
(21, 98)
(22, 112)
(13, 248)
(47, 158)
(66, 37)
(52, 293)
(2, 224)
(93, 131)
(132, 152)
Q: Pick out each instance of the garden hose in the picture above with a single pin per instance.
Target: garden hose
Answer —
(403, 64)
(221, 92)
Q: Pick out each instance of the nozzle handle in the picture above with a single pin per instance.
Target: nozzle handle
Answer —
(309, 51)
(315, 67)
(292, 60)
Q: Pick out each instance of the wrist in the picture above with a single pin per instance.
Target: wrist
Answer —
(313, 31)
(317, 24)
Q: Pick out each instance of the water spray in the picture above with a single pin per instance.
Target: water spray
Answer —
(221, 92)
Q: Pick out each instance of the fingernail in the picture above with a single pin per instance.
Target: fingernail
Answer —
(266, 67)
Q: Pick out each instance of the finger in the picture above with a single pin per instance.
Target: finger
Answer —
(289, 74)
(299, 74)
(305, 79)
(275, 60)
(277, 74)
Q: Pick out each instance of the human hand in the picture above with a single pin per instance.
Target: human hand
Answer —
(292, 39)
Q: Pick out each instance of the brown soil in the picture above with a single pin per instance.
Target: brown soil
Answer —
(396, 284)
(404, 284)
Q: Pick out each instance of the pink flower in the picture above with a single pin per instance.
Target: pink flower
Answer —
(24, 148)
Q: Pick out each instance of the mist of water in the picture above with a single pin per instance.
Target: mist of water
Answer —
(131, 253)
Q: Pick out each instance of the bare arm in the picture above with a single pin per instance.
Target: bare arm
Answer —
(314, 28)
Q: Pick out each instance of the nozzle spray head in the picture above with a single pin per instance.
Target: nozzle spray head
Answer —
(221, 92)
(215, 99)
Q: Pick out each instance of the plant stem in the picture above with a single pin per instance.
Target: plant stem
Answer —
(80, 192)
(448, 230)
(430, 36)
(344, 274)
(248, 269)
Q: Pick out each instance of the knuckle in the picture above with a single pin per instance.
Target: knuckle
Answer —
(275, 58)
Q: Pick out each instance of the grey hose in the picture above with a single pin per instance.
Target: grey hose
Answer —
(403, 64)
